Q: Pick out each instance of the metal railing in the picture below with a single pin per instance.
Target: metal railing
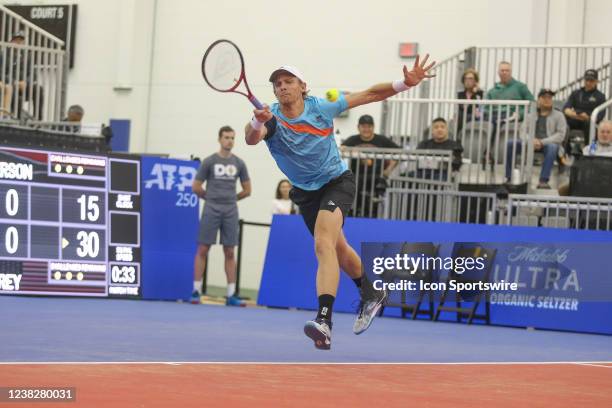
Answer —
(489, 132)
(59, 136)
(559, 67)
(376, 168)
(603, 72)
(559, 212)
(444, 205)
(596, 111)
(33, 72)
(59, 126)
(440, 206)
(539, 66)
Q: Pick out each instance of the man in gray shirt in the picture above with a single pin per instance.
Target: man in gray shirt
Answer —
(550, 128)
(602, 145)
(220, 172)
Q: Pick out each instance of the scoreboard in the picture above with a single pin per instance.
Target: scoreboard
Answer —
(69, 224)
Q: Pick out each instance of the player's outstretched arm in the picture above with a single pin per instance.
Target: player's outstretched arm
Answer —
(255, 131)
(380, 92)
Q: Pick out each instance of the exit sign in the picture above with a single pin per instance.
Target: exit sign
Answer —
(408, 50)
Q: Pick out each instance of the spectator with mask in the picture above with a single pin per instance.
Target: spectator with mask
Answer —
(467, 113)
(550, 129)
(581, 104)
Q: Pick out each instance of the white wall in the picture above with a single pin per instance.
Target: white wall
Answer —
(598, 19)
(343, 44)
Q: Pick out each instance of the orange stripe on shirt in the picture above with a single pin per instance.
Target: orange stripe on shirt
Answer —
(304, 128)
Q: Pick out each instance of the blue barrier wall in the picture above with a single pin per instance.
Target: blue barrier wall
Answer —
(121, 135)
(169, 228)
(288, 278)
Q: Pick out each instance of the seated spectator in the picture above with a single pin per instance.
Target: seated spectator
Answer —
(470, 91)
(581, 104)
(6, 94)
(440, 141)
(602, 146)
(282, 204)
(21, 75)
(75, 114)
(550, 129)
(367, 138)
(507, 88)
(368, 171)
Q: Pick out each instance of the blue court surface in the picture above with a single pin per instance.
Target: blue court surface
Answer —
(39, 329)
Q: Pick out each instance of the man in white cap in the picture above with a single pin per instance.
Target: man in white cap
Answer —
(299, 133)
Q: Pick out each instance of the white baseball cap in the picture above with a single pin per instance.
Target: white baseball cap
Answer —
(288, 69)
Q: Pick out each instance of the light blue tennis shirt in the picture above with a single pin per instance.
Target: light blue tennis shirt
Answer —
(304, 148)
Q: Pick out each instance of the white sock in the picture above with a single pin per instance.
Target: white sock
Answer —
(231, 289)
(197, 286)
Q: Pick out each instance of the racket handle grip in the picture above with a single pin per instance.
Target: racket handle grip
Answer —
(255, 102)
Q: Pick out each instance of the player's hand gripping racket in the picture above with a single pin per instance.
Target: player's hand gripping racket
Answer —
(223, 70)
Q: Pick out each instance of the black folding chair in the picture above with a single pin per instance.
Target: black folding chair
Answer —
(473, 276)
(422, 274)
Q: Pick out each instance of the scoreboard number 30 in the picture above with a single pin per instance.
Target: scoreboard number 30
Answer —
(89, 244)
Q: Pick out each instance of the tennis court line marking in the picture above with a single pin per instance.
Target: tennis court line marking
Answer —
(594, 365)
(591, 363)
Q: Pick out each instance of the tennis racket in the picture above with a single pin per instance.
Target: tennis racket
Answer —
(223, 70)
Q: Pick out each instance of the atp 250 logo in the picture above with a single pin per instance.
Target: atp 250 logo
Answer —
(168, 177)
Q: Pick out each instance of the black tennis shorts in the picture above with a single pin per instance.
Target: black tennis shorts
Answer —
(338, 193)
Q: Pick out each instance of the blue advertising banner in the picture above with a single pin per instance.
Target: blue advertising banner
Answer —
(562, 279)
(170, 213)
(563, 285)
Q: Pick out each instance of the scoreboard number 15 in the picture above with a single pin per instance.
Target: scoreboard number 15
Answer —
(90, 209)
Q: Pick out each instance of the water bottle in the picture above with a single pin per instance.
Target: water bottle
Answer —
(516, 177)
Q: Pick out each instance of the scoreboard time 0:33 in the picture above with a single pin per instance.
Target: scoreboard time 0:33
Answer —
(69, 224)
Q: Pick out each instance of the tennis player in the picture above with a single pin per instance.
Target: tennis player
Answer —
(299, 133)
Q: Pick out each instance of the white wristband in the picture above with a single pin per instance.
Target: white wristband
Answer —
(255, 124)
(399, 85)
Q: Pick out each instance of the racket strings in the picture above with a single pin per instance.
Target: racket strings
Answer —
(223, 67)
